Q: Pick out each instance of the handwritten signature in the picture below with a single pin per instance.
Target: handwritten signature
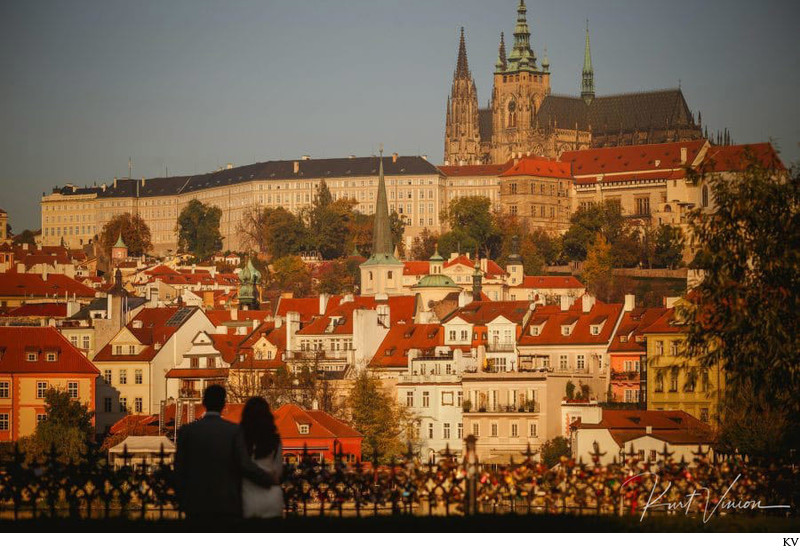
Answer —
(723, 504)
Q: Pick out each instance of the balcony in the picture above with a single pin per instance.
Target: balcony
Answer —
(623, 376)
(434, 357)
(341, 355)
(501, 347)
(528, 407)
(189, 393)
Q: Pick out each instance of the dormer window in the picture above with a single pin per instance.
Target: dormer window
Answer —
(304, 428)
(566, 330)
(595, 330)
(31, 356)
(536, 330)
(51, 356)
(623, 338)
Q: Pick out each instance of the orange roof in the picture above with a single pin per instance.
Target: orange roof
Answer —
(666, 323)
(401, 309)
(672, 174)
(161, 270)
(631, 326)
(481, 312)
(416, 267)
(551, 282)
(550, 320)
(734, 158)
(475, 170)
(673, 426)
(204, 373)
(393, 351)
(219, 317)
(632, 158)
(492, 268)
(17, 342)
(40, 310)
(539, 166)
(306, 307)
(154, 329)
(289, 417)
(34, 285)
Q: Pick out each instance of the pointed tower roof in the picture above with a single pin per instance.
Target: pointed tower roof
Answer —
(120, 244)
(502, 62)
(545, 62)
(522, 56)
(462, 66)
(436, 256)
(382, 250)
(587, 77)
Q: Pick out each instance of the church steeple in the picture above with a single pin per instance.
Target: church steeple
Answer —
(462, 134)
(587, 80)
(522, 57)
(462, 65)
(381, 231)
(502, 62)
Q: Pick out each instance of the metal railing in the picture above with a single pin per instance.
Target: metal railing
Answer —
(94, 489)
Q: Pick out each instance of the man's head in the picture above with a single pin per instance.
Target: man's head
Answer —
(214, 398)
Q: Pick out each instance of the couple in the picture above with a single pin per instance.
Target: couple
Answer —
(228, 471)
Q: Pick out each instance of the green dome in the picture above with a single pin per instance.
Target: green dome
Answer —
(436, 280)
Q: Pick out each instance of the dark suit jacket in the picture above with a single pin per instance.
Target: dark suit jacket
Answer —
(210, 462)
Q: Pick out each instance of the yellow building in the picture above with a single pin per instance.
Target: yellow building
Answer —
(672, 383)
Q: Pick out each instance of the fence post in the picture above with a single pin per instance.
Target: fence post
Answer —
(471, 464)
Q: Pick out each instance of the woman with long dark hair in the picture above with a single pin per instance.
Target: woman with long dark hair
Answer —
(264, 445)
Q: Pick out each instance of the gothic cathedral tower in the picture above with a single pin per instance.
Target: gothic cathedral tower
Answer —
(519, 89)
(462, 137)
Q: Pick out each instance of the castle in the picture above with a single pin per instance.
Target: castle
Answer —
(524, 118)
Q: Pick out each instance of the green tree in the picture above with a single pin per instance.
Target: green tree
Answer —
(291, 274)
(554, 449)
(398, 228)
(27, 236)
(668, 250)
(744, 317)
(274, 231)
(456, 241)
(473, 217)
(378, 416)
(424, 245)
(597, 272)
(198, 229)
(604, 218)
(135, 233)
(67, 427)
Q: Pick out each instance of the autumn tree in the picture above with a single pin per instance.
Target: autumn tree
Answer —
(424, 245)
(743, 318)
(198, 229)
(334, 277)
(598, 269)
(134, 230)
(67, 428)
(668, 248)
(274, 231)
(291, 274)
(553, 450)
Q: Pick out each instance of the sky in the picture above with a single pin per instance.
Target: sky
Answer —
(186, 86)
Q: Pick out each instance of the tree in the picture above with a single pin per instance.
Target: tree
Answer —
(424, 245)
(473, 217)
(27, 236)
(135, 234)
(743, 318)
(67, 427)
(378, 416)
(668, 251)
(604, 218)
(198, 229)
(291, 274)
(398, 228)
(597, 271)
(274, 231)
(553, 450)
(455, 241)
(334, 277)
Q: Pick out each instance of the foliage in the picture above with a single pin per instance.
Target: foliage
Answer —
(424, 245)
(274, 231)
(27, 236)
(334, 277)
(743, 317)
(291, 274)
(570, 390)
(398, 228)
(378, 416)
(597, 271)
(198, 229)
(456, 241)
(68, 428)
(554, 449)
(471, 219)
(135, 234)
(669, 243)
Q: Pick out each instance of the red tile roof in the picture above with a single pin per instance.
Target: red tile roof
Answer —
(40, 310)
(674, 426)
(481, 312)
(634, 176)
(289, 417)
(475, 170)
(632, 158)
(306, 307)
(161, 269)
(551, 318)
(202, 373)
(551, 282)
(416, 267)
(631, 327)
(227, 345)
(401, 309)
(13, 284)
(539, 166)
(393, 351)
(220, 317)
(17, 342)
(492, 268)
(154, 330)
(734, 158)
(666, 323)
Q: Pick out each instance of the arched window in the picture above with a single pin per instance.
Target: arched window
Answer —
(704, 197)
(512, 114)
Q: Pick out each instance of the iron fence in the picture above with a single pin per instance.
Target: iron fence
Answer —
(93, 488)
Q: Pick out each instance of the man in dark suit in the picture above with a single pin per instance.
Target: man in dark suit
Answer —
(210, 462)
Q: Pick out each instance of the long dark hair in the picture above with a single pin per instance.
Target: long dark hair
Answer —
(258, 424)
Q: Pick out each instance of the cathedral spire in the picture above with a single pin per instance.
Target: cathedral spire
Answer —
(502, 63)
(381, 232)
(587, 81)
(462, 67)
(522, 57)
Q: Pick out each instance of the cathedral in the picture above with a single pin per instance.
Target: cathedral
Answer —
(524, 118)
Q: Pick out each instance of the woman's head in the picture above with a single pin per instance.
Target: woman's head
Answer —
(258, 425)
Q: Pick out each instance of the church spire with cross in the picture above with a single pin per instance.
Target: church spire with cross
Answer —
(587, 76)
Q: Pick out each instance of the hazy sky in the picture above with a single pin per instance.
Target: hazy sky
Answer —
(195, 84)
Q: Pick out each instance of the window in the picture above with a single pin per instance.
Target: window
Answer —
(137, 405)
(107, 404)
(430, 431)
(513, 210)
(123, 376)
(532, 431)
(410, 398)
(643, 206)
(581, 362)
(426, 399)
(660, 348)
(494, 430)
(562, 362)
(446, 431)
(194, 362)
(304, 428)
(137, 377)
(476, 429)
(704, 415)
(4, 389)
(86, 342)
(459, 398)
(31, 356)
(595, 329)
(704, 198)
(673, 348)
(460, 430)
(4, 422)
(652, 456)
(566, 330)
(447, 398)
(659, 383)
(132, 349)
(117, 350)
(673, 381)
(50, 356)
(72, 389)
(40, 417)
(41, 388)
(632, 396)
(514, 430)
(107, 376)
(73, 340)
(123, 405)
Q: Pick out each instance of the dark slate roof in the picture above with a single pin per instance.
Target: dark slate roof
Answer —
(662, 109)
(269, 170)
(102, 303)
(485, 124)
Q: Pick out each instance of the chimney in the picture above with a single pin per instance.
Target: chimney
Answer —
(630, 303)
(424, 157)
(648, 429)
(234, 314)
(306, 157)
(229, 166)
(658, 163)
(684, 155)
(587, 301)
(44, 272)
(484, 265)
(194, 267)
(464, 298)
(566, 302)
(296, 167)
(323, 303)
(278, 322)
(394, 157)
(349, 298)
